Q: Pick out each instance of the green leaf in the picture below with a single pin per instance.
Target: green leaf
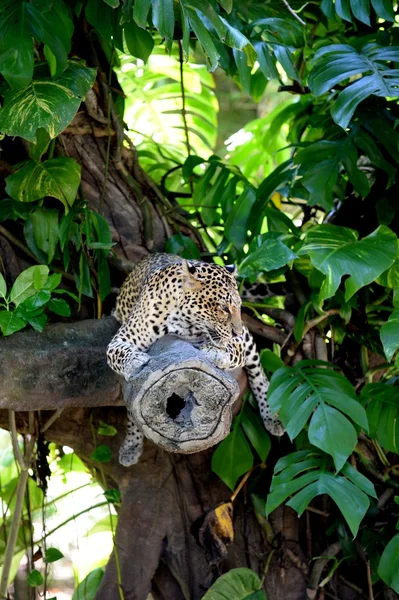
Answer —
(270, 255)
(351, 501)
(233, 457)
(19, 22)
(101, 454)
(37, 150)
(336, 63)
(388, 569)
(52, 555)
(113, 495)
(359, 480)
(83, 280)
(140, 12)
(384, 9)
(87, 588)
(270, 361)
(330, 431)
(237, 223)
(35, 578)
(47, 103)
(58, 177)
(226, 4)
(28, 282)
(59, 307)
(203, 36)
(33, 306)
(382, 408)
(105, 429)
(39, 322)
(53, 282)
(140, 42)
(183, 246)
(240, 584)
(390, 335)
(235, 39)
(164, 19)
(3, 287)
(296, 392)
(255, 431)
(10, 323)
(45, 230)
(335, 251)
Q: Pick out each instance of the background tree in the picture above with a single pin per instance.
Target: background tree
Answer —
(109, 117)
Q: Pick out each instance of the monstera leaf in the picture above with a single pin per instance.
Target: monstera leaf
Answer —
(382, 407)
(335, 63)
(310, 390)
(307, 474)
(336, 251)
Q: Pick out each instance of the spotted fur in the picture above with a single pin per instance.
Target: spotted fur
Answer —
(199, 302)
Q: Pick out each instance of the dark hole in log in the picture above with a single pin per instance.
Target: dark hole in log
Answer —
(174, 405)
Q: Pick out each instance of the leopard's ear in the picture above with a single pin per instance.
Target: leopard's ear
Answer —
(190, 278)
(232, 269)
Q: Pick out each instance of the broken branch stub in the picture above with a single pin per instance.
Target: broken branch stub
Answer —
(179, 399)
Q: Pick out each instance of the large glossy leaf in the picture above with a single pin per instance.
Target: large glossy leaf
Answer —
(240, 584)
(336, 251)
(382, 407)
(45, 230)
(296, 392)
(237, 223)
(352, 502)
(322, 163)
(58, 177)
(388, 569)
(233, 457)
(19, 22)
(10, 322)
(28, 283)
(138, 41)
(47, 103)
(255, 432)
(336, 63)
(390, 335)
(307, 474)
(271, 254)
(87, 589)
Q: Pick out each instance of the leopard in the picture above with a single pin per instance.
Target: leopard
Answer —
(196, 301)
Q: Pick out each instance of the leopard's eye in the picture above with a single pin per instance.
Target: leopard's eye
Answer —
(225, 308)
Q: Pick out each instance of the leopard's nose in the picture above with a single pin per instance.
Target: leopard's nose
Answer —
(237, 324)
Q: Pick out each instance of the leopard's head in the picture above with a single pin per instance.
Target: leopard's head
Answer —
(212, 301)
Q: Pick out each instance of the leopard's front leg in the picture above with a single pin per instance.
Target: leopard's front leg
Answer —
(241, 352)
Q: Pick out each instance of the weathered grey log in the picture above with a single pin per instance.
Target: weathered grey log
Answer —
(64, 366)
(180, 400)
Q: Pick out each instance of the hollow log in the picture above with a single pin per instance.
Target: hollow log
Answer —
(179, 399)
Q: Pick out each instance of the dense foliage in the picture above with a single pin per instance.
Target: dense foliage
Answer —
(303, 199)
